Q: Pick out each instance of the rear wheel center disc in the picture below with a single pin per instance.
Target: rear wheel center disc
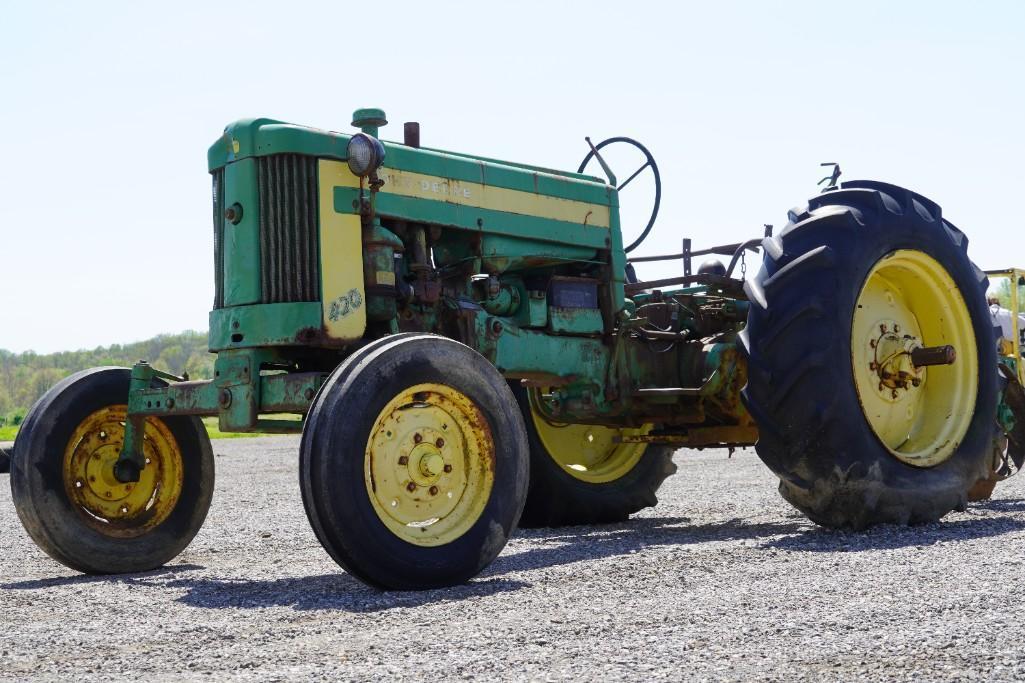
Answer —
(591, 453)
(920, 414)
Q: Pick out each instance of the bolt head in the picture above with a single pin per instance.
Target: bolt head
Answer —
(411, 487)
(440, 443)
(894, 393)
(433, 490)
(417, 438)
(448, 468)
(403, 460)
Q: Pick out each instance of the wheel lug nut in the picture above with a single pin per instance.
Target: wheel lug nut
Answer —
(411, 487)
(403, 460)
(448, 468)
(440, 442)
(434, 490)
(417, 438)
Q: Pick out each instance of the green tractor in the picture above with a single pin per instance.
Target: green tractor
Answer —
(465, 347)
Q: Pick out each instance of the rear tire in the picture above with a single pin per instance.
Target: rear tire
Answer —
(562, 495)
(803, 391)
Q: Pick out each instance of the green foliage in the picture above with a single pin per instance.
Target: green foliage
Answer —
(24, 377)
(1002, 291)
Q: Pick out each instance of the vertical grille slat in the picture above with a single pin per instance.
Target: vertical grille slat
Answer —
(289, 264)
(263, 187)
(298, 210)
(218, 199)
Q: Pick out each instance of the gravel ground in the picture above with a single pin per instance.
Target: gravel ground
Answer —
(722, 581)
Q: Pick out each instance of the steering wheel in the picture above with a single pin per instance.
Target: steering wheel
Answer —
(648, 163)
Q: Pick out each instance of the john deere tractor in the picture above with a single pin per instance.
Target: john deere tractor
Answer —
(465, 347)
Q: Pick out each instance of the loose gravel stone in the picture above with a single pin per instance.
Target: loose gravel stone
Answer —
(721, 581)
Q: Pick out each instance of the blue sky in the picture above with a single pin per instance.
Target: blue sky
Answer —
(108, 108)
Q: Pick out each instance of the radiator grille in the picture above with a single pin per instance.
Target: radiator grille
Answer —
(218, 194)
(289, 260)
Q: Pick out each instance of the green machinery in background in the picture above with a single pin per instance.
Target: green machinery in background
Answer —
(464, 346)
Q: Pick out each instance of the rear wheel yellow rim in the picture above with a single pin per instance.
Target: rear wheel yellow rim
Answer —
(430, 464)
(115, 508)
(920, 414)
(590, 453)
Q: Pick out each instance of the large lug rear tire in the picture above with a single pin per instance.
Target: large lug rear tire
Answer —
(857, 433)
(68, 499)
(579, 474)
(412, 469)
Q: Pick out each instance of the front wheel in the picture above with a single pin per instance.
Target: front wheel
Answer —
(70, 502)
(413, 470)
(871, 364)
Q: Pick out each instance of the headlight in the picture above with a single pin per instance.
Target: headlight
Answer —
(366, 154)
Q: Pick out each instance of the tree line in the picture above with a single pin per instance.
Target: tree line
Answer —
(24, 377)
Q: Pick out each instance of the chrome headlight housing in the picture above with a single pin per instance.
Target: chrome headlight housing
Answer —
(366, 154)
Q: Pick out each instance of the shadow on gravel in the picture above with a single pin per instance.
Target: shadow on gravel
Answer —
(889, 537)
(325, 592)
(78, 579)
(583, 543)
(1002, 505)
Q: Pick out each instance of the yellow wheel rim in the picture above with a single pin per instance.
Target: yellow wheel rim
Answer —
(112, 507)
(430, 464)
(590, 453)
(920, 414)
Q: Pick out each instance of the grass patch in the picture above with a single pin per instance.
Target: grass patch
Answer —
(8, 433)
(215, 433)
